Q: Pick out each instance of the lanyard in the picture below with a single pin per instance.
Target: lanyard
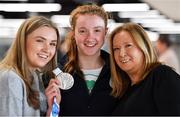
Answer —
(55, 109)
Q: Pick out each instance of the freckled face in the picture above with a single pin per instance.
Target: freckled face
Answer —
(127, 54)
(90, 33)
(41, 46)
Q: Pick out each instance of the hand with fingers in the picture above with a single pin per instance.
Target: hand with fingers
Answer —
(52, 91)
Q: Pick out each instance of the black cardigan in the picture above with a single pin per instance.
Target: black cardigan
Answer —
(157, 94)
(78, 101)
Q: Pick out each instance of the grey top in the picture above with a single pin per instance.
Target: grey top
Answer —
(13, 97)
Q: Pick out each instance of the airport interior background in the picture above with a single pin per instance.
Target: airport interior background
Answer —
(156, 16)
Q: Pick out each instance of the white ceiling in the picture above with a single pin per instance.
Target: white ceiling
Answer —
(170, 8)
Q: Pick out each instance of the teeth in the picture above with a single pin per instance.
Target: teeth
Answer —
(124, 61)
(43, 56)
(90, 44)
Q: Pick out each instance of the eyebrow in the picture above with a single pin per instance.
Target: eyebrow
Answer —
(99, 27)
(93, 27)
(45, 38)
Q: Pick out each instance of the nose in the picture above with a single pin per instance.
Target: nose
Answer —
(122, 52)
(90, 35)
(46, 47)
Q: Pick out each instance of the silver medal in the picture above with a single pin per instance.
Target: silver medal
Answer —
(66, 79)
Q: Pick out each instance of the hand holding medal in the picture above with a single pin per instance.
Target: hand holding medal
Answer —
(66, 82)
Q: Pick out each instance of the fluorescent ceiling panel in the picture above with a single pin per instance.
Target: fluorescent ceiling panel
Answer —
(35, 7)
(61, 20)
(140, 14)
(126, 7)
(11, 23)
(152, 20)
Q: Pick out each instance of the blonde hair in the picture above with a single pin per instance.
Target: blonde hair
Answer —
(72, 50)
(16, 57)
(143, 42)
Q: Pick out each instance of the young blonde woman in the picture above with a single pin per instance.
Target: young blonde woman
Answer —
(89, 65)
(146, 87)
(32, 53)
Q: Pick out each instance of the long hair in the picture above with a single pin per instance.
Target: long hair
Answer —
(72, 52)
(16, 57)
(142, 40)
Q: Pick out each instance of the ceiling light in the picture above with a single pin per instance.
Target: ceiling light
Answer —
(174, 29)
(152, 20)
(31, 7)
(11, 23)
(140, 14)
(126, 7)
(113, 25)
(61, 20)
(153, 36)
